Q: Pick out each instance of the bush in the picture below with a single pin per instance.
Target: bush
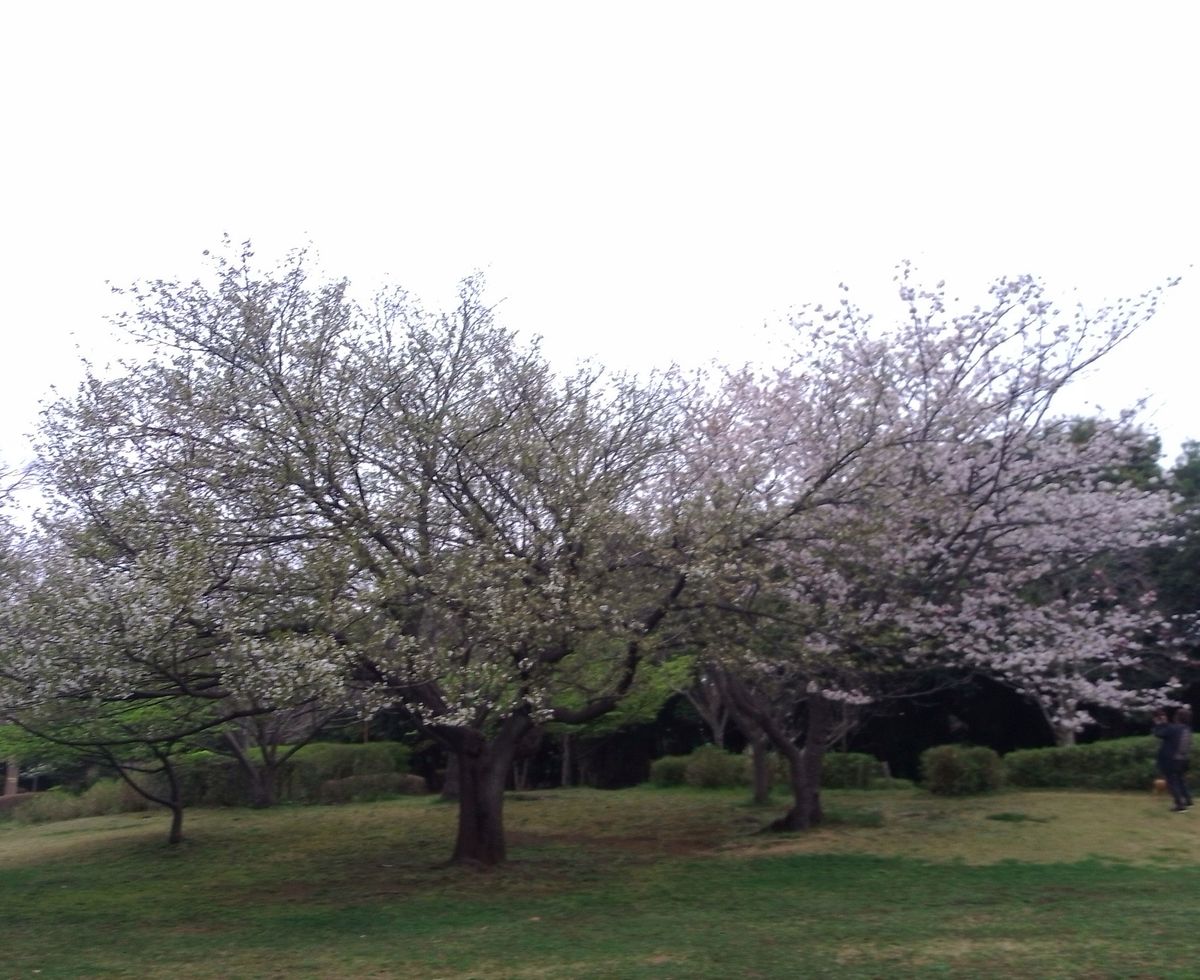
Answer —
(1119, 763)
(315, 764)
(710, 767)
(958, 770)
(101, 799)
(50, 805)
(370, 787)
(108, 796)
(670, 770)
(849, 770)
(890, 782)
(211, 779)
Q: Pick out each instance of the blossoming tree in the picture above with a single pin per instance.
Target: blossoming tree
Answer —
(442, 521)
(943, 497)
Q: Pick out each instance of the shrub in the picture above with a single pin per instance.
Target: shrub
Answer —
(103, 798)
(958, 770)
(1119, 763)
(849, 770)
(47, 806)
(670, 770)
(211, 779)
(315, 764)
(710, 767)
(370, 787)
(108, 796)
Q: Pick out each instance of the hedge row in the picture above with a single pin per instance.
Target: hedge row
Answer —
(951, 770)
(322, 772)
(710, 767)
(1119, 763)
(208, 779)
(1115, 764)
(102, 798)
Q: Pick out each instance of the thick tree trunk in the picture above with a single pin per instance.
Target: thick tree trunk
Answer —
(480, 837)
(483, 768)
(12, 772)
(262, 786)
(804, 765)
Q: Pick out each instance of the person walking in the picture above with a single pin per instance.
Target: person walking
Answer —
(1174, 749)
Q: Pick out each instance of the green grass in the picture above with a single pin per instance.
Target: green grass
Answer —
(638, 883)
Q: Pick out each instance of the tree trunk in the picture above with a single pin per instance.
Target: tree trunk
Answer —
(450, 783)
(481, 811)
(12, 772)
(564, 776)
(1064, 736)
(175, 835)
(520, 771)
(175, 801)
(262, 786)
(262, 778)
(804, 769)
(804, 766)
(762, 769)
(483, 768)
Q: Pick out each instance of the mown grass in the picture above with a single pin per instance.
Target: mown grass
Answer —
(638, 883)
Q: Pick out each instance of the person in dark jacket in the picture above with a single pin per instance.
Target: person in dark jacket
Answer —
(1174, 747)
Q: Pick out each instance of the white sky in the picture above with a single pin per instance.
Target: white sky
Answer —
(642, 181)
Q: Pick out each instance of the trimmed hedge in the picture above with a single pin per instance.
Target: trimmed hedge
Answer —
(1115, 764)
(670, 770)
(322, 772)
(961, 770)
(303, 775)
(850, 770)
(105, 797)
(710, 767)
(211, 779)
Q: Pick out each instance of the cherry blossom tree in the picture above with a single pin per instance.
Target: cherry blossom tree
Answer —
(905, 497)
(116, 648)
(412, 503)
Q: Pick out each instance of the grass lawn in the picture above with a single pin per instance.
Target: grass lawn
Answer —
(636, 883)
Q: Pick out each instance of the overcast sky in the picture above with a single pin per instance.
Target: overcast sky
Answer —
(640, 181)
